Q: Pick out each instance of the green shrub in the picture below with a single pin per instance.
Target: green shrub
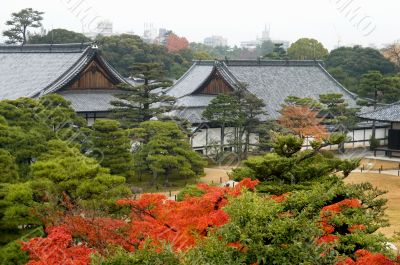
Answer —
(190, 190)
(373, 143)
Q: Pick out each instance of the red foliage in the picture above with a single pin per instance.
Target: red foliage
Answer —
(156, 218)
(365, 257)
(302, 121)
(338, 207)
(280, 198)
(327, 239)
(98, 232)
(175, 43)
(356, 227)
(56, 249)
(328, 212)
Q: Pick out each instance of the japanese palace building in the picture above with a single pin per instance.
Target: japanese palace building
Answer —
(78, 72)
(272, 81)
(390, 114)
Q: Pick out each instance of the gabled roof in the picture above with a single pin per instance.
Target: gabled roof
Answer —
(390, 113)
(270, 80)
(35, 70)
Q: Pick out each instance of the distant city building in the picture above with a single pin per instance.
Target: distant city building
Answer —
(265, 36)
(215, 41)
(150, 33)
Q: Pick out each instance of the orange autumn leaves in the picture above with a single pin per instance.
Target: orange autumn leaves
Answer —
(156, 218)
(153, 219)
(302, 121)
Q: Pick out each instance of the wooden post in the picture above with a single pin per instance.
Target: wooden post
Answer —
(220, 179)
(175, 197)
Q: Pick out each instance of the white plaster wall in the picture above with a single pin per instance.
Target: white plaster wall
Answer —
(360, 138)
(207, 136)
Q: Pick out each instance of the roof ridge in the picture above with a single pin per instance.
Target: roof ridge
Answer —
(87, 52)
(260, 62)
(353, 95)
(46, 48)
(225, 69)
(182, 77)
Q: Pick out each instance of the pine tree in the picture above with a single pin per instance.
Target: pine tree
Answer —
(77, 178)
(112, 147)
(223, 111)
(164, 152)
(141, 103)
(20, 22)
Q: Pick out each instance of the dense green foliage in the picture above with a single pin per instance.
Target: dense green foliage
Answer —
(123, 51)
(348, 64)
(289, 165)
(58, 36)
(164, 153)
(43, 170)
(78, 178)
(111, 147)
(307, 49)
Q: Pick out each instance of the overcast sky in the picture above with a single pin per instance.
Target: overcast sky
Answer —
(346, 22)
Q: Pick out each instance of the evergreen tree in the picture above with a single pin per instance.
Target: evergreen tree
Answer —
(251, 109)
(58, 36)
(164, 152)
(20, 22)
(278, 53)
(370, 84)
(77, 178)
(337, 111)
(112, 147)
(143, 102)
(8, 167)
(223, 111)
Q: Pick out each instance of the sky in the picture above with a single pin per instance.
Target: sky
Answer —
(332, 22)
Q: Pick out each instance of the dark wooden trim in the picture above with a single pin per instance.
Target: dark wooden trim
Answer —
(215, 84)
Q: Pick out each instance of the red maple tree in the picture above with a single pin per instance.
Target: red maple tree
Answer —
(173, 43)
(302, 121)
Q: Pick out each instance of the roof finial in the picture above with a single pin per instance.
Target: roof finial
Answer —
(94, 45)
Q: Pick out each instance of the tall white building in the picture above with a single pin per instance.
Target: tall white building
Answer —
(215, 41)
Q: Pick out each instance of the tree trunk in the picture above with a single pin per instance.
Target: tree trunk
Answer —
(222, 139)
(247, 144)
(24, 35)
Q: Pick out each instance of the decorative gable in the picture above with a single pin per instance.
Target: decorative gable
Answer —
(215, 84)
(93, 76)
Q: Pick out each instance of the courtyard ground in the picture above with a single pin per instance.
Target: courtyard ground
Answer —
(391, 184)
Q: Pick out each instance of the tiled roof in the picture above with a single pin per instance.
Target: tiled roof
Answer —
(390, 113)
(35, 70)
(90, 101)
(272, 81)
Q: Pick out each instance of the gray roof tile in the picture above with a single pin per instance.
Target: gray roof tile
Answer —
(34, 70)
(90, 101)
(390, 113)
